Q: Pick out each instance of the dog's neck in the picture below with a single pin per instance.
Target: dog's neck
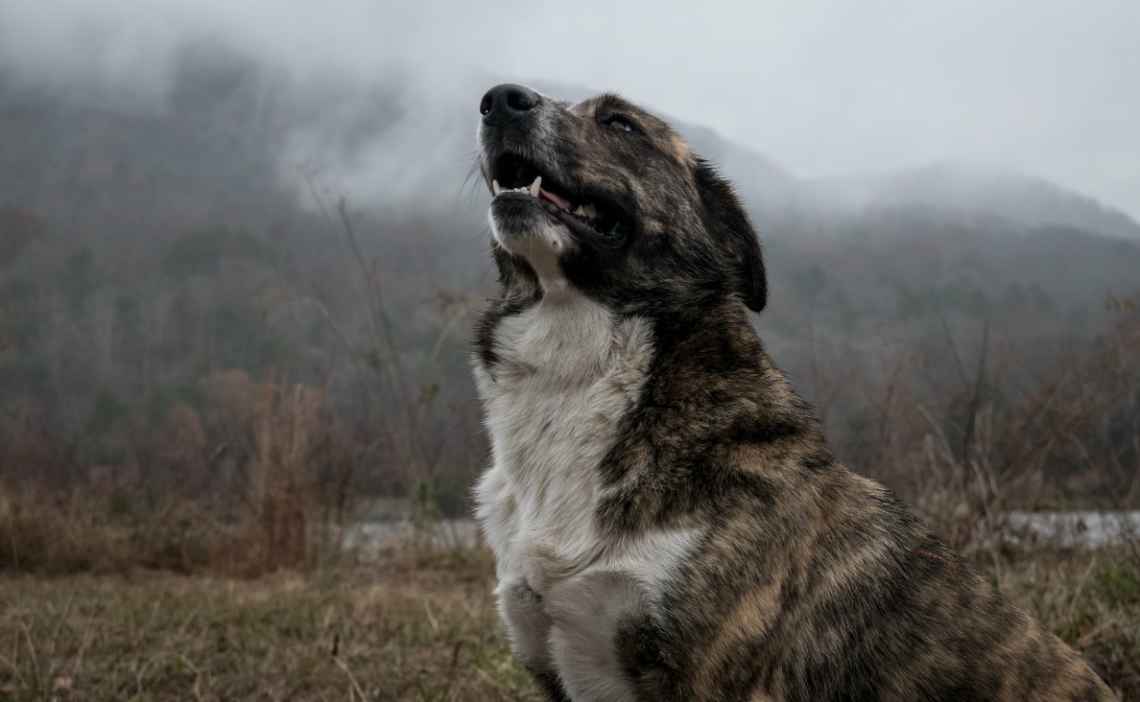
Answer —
(569, 340)
(720, 352)
(562, 376)
(559, 342)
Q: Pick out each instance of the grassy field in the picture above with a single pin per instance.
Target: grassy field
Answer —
(413, 626)
(408, 628)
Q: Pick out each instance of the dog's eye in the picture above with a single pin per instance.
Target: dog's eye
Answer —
(620, 122)
(616, 232)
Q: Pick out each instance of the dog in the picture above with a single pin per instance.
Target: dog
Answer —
(667, 520)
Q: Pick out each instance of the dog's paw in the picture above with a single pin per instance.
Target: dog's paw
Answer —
(528, 625)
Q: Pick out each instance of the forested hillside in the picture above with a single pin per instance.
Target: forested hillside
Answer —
(190, 296)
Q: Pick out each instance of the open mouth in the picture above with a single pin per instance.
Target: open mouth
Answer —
(583, 213)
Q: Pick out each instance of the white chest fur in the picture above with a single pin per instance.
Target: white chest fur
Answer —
(568, 373)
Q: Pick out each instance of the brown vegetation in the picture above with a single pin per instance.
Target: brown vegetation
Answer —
(257, 478)
(414, 625)
(1068, 438)
(199, 378)
(405, 629)
(259, 485)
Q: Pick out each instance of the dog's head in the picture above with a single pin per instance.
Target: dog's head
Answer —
(604, 198)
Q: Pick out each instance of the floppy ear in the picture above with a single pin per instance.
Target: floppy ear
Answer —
(728, 223)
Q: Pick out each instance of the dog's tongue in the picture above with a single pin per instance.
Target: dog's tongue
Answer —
(562, 203)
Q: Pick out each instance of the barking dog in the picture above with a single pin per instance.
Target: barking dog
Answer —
(667, 520)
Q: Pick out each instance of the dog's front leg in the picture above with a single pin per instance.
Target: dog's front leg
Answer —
(587, 613)
(528, 628)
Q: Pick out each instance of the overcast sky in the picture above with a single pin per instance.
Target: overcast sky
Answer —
(1046, 87)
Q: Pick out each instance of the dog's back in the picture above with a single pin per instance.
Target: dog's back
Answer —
(809, 582)
(838, 593)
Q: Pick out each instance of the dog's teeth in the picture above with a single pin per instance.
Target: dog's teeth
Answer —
(588, 211)
(535, 186)
(580, 211)
(495, 189)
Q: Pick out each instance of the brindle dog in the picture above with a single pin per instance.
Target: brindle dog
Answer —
(667, 519)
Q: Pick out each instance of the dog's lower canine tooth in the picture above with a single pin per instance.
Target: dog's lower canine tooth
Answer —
(536, 186)
(495, 188)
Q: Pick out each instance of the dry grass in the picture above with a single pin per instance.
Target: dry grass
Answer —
(287, 499)
(67, 532)
(405, 629)
(1091, 599)
(411, 627)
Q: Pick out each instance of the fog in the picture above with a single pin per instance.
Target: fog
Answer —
(1050, 89)
(936, 190)
(245, 252)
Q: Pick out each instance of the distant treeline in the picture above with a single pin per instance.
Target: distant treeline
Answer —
(174, 320)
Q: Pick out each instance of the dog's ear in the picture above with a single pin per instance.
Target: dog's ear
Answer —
(729, 224)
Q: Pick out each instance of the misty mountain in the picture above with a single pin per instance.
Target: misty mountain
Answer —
(970, 191)
(149, 252)
(244, 133)
(241, 145)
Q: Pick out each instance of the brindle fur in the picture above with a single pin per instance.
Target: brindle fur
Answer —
(808, 582)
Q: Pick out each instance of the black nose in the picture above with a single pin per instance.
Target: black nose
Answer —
(506, 103)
